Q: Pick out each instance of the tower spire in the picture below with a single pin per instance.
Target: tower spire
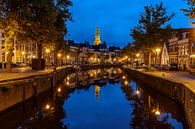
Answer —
(97, 40)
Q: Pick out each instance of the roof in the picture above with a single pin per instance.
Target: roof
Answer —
(190, 32)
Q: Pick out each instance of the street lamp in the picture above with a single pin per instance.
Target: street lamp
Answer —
(47, 51)
(126, 57)
(48, 57)
(59, 56)
(157, 54)
(23, 53)
(68, 57)
(137, 55)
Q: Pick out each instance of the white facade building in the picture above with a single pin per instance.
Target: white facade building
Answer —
(23, 51)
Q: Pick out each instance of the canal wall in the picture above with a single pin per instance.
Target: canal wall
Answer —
(17, 91)
(102, 66)
(173, 90)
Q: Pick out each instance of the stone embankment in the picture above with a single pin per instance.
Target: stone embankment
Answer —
(173, 89)
(87, 66)
(18, 90)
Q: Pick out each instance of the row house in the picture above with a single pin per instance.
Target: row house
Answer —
(23, 51)
(182, 49)
(83, 53)
(173, 50)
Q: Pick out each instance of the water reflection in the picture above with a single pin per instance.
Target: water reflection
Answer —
(102, 98)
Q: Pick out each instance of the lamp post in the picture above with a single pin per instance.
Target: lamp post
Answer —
(68, 57)
(59, 57)
(23, 53)
(137, 55)
(157, 55)
(126, 57)
(48, 57)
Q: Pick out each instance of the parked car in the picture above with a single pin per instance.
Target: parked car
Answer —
(21, 64)
(173, 67)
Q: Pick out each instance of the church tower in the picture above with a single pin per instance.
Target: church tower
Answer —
(97, 40)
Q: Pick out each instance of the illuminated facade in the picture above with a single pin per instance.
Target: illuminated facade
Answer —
(84, 53)
(182, 49)
(97, 91)
(23, 51)
(164, 56)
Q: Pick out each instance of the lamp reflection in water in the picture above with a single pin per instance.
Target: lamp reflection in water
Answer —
(97, 91)
(137, 92)
(126, 82)
(137, 89)
(59, 89)
(157, 111)
(47, 106)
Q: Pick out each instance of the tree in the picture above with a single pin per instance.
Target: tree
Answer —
(42, 22)
(152, 30)
(190, 12)
(129, 50)
(9, 22)
(62, 16)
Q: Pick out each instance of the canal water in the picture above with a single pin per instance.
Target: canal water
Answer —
(97, 99)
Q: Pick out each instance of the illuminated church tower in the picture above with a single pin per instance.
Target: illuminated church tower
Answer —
(97, 91)
(97, 40)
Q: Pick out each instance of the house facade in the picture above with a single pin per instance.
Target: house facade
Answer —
(182, 49)
(23, 51)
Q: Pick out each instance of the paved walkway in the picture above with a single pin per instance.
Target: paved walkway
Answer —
(19, 73)
(180, 77)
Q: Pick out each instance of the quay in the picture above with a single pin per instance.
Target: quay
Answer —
(16, 88)
(178, 86)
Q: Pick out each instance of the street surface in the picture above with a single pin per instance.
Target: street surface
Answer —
(180, 77)
(24, 72)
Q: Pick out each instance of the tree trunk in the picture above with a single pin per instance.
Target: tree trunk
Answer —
(149, 59)
(55, 58)
(39, 52)
(9, 61)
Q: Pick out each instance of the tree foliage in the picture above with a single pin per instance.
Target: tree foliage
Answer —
(190, 12)
(152, 29)
(42, 22)
(129, 50)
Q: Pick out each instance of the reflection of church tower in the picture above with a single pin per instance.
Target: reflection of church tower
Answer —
(97, 91)
(97, 40)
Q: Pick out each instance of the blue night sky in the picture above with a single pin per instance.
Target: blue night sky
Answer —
(115, 18)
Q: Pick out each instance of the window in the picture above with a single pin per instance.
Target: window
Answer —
(193, 44)
(193, 47)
